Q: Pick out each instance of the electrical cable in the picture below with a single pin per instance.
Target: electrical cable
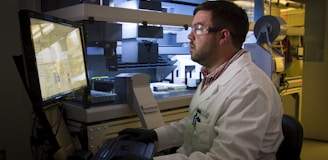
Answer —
(60, 114)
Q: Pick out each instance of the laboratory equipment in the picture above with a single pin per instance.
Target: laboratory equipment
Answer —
(104, 35)
(267, 52)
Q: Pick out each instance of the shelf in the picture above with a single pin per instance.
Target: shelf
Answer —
(114, 14)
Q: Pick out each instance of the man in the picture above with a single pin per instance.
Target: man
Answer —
(236, 111)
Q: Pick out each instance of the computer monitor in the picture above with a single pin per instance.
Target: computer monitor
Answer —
(54, 54)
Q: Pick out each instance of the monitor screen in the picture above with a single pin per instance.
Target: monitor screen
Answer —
(54, 55)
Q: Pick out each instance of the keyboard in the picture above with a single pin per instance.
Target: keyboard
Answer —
(120, 147)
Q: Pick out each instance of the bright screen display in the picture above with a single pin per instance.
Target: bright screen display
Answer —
(54, 56)
(59, 57)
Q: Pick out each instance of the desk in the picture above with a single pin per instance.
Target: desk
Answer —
(97, 124)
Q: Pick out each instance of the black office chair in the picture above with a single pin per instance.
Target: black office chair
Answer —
(291, 146)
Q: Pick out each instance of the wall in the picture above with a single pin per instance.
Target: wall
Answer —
(15, 111)
(315, 72)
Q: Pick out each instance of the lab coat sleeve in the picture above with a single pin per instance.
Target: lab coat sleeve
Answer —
(170, 136)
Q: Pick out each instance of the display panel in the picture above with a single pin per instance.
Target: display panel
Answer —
(54, 55)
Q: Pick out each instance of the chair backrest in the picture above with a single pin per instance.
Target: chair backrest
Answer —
(291, 146)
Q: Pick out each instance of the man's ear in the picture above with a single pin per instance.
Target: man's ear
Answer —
(224, 36)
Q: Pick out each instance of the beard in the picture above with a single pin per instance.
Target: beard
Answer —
(201, 55)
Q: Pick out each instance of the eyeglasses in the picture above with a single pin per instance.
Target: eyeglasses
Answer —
(199, 29)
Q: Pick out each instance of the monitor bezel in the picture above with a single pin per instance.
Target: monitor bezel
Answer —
(31, 70)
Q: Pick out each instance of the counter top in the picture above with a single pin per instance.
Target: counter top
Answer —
(110, 111)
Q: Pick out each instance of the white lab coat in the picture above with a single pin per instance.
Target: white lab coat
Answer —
(240, 119)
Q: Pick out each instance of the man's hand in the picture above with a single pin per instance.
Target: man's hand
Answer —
(139, 134)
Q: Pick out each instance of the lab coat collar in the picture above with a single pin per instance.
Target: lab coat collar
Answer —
(226, 76)
(234, 68)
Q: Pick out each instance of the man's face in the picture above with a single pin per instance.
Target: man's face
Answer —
(202, 44)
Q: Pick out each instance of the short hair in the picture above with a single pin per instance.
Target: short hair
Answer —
(228, 15)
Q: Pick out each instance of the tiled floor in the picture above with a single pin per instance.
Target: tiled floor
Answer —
(314, 150)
